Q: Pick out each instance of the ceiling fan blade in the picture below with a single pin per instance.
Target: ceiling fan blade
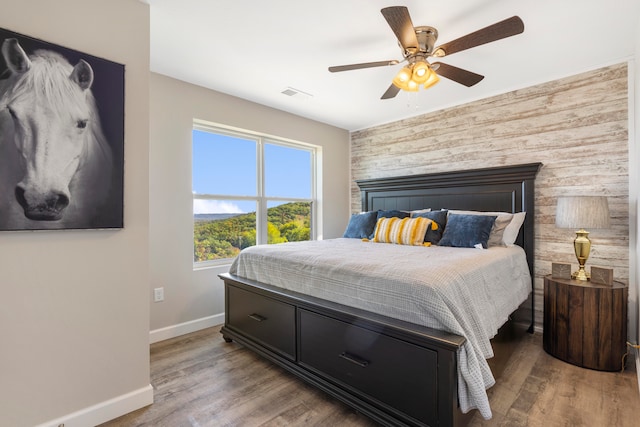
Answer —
(391, 92)
(456, 74)
(399, 20)
(500, 30)
(338, 68)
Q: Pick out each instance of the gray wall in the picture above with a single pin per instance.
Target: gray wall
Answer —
(195, 299)
(74, 321)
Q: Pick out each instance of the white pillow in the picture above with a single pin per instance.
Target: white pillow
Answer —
(506, 228)
(511, 232)
(417, 212)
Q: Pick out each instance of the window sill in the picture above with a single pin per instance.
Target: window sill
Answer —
(207, 265)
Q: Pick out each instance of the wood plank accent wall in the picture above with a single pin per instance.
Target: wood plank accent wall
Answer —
(576, 126)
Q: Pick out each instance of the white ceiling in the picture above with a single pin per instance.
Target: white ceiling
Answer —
(255, 49)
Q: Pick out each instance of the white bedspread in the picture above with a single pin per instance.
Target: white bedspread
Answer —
(468, 292)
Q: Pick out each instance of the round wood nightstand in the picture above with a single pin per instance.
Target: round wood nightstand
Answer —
(585, 324)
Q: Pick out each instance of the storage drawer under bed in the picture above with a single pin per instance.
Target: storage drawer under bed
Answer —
(391, 372)
(269, 321)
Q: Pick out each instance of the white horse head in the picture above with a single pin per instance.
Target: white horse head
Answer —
(63, 163)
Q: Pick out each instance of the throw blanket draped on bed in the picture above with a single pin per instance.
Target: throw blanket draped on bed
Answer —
(468, 292)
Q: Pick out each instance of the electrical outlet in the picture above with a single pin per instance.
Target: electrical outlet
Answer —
(158, 294)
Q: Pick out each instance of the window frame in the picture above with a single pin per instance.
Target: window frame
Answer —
(261, 200)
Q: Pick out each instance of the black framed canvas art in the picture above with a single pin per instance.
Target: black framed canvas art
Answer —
(61, 137)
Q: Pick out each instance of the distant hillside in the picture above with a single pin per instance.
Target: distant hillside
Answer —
(214, 217)
(225, 235)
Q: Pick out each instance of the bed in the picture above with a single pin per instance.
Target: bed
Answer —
(396, 366)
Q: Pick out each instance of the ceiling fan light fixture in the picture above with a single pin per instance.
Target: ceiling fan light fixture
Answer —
(421, 72)
(414, 75)
(403, 78)
(412, 86)
(432, 80)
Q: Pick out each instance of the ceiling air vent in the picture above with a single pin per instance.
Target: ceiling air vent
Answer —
(289, 91)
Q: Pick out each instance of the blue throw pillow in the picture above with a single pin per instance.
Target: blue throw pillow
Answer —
(361, 225)
(440, 218)
(393, 214)
(466, 231)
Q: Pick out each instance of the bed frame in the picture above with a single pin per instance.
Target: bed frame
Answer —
(397, 373)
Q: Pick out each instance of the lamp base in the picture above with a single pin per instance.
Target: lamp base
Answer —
(581, 274)
(582, 247)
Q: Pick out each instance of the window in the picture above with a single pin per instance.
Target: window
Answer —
(249, 189)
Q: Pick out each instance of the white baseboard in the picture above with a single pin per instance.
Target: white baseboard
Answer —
(105, 411)
(185, 328)
(121, 405)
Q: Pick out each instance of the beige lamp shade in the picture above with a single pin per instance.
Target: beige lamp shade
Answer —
(582, 212)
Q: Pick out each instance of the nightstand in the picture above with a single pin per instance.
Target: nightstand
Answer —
(585, 324)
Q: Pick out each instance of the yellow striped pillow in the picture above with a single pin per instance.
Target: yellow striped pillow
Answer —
(402, 231)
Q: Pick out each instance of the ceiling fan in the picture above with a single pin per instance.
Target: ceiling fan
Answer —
(418, 44)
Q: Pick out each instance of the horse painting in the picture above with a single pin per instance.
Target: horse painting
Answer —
(56, 165)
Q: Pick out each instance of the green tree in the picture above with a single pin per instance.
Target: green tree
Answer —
(295, 231)
(215, 239)
(210, 249)
(248, 239)
(273, 234)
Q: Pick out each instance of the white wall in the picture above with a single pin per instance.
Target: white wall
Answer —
(195, 299)
(74, 320)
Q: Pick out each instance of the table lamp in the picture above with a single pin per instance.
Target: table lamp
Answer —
(580, 212)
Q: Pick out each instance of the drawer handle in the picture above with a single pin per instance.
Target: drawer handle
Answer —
(354, 359)
(257, 317)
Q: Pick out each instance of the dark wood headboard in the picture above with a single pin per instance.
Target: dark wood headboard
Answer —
(504, 189)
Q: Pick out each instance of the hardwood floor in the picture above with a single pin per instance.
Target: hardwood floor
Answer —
(200, 380)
